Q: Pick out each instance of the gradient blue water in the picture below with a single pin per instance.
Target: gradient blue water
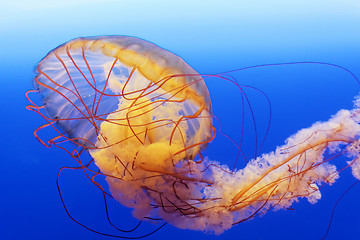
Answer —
(212, 37)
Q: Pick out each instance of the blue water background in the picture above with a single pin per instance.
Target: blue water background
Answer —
(213, 37)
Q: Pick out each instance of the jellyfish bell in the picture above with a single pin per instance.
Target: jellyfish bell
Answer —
(145, 116)
(91, 73)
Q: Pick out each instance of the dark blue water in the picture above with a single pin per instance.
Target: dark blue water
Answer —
(212, 37)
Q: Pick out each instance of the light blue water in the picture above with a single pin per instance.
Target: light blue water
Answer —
(212, 37)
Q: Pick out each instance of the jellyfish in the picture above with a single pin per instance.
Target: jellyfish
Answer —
(145, 117)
